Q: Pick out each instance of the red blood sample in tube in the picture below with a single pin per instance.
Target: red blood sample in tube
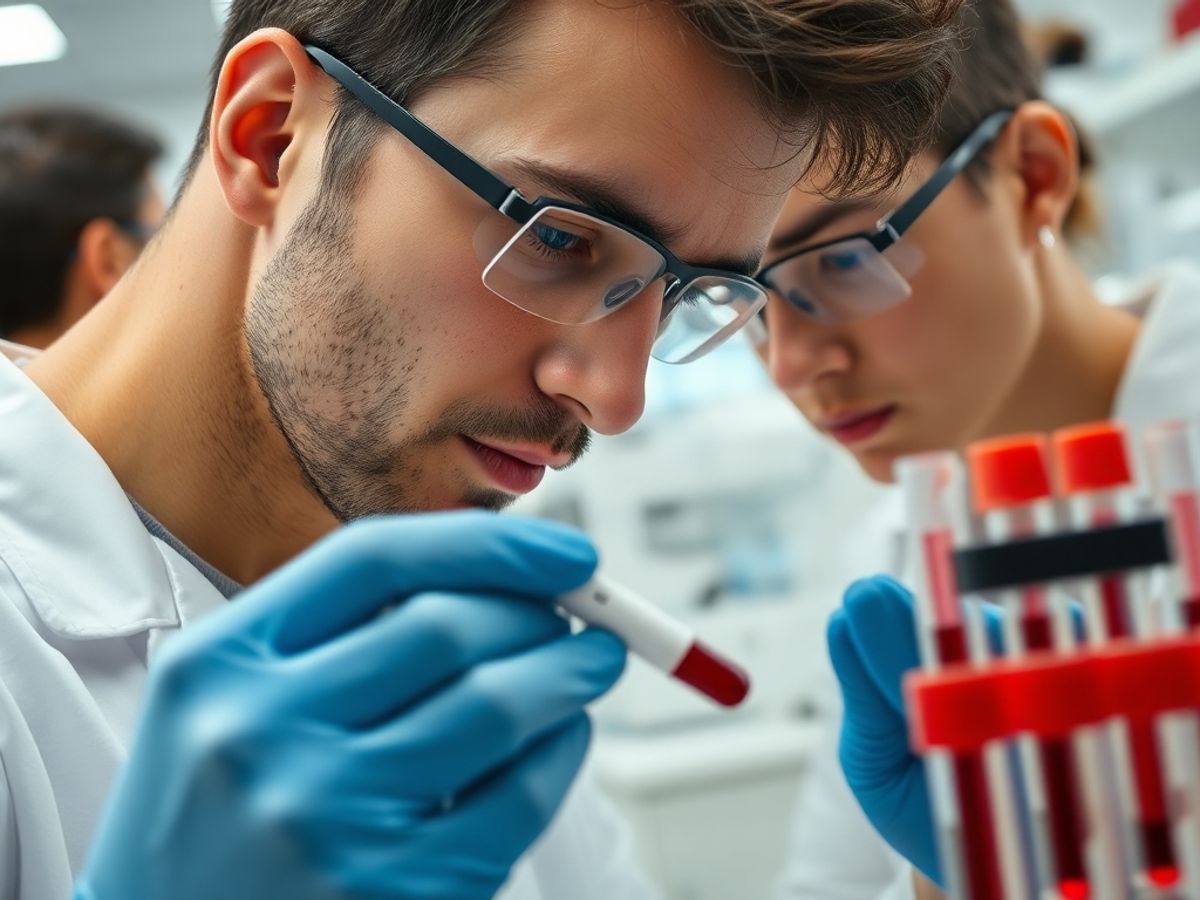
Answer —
(712, 674)
(970, 776)
(1010, 474)
(1186, 519)
(1058, 766)
(1093, 459)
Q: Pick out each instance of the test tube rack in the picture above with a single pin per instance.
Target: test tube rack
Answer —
(1126, 703)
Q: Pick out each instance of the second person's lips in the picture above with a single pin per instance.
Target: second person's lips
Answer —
(859, 425)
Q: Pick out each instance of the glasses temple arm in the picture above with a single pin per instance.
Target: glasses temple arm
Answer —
(900, 220)
(494, 191)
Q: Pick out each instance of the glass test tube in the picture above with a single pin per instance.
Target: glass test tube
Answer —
(958, 782)
(1011, 488)
(1095, 473)
(1173, 450)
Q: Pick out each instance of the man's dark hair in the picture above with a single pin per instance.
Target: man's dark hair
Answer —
(858, 81)
(996, 69)
(60, 168)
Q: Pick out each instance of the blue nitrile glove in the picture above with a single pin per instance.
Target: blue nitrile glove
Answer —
(872, 643)
(397, 713)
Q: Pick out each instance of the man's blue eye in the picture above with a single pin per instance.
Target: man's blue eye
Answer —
(556, 238)
(842, 261)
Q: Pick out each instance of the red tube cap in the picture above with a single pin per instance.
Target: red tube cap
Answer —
(1092, 457)
(1009, 471)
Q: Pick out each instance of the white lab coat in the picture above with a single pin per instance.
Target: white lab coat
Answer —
(834, 853)
(87, 596)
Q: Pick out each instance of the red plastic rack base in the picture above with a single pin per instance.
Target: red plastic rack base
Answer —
(961, 707)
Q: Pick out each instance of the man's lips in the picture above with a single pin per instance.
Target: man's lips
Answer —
(513, 470)
(855, 427)
(528, 454)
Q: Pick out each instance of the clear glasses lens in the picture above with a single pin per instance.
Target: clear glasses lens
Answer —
(571, 268)
(565, 266)
(704, 315)
(756, 331)
(847, 280)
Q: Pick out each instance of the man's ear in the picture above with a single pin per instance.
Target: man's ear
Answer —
(1041, 150)
(268, 95)
(103, 254)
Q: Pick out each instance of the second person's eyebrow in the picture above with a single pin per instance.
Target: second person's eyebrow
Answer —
(813, 224)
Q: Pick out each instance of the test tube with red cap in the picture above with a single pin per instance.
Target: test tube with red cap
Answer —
(1173, 450)
(1012, 491)
(1096, 476)
(658, 638)
(959, 786)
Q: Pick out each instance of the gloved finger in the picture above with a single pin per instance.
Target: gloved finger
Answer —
(882, 627)
(354, 574)
(867, 705)
(494, 823)
(383, 666)
(873, 749)
(485, 719)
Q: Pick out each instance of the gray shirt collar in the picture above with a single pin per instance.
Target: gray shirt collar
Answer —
(222, 582)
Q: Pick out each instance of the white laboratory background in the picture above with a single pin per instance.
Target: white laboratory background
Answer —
(721, 505)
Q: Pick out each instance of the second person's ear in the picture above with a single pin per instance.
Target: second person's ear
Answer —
(1043, 153)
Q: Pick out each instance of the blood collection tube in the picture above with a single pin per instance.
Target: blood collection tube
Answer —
(1174, 451)
(656, 637)
(959, 786)
(1012, 491)
(1095, 474)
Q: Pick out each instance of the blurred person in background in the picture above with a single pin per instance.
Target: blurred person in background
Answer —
(948, 310)
(77, 206)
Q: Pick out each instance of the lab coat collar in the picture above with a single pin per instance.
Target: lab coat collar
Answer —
(1162, 377)
(71, 537)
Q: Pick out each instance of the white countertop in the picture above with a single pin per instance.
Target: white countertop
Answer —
(686, 758)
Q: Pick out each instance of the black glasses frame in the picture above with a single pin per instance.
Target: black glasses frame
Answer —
(494, 190)
(892, 226)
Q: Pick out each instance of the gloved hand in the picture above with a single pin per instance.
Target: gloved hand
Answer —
(397, 713)
(872, 643)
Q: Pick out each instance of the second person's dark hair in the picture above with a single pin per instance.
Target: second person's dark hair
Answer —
(995, 69)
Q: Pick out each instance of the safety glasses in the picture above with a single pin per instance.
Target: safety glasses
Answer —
(865, 273)
(567, 263)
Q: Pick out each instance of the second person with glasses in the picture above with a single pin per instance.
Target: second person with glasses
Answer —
(948, 310)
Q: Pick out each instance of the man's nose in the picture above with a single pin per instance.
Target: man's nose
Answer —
(598, 370)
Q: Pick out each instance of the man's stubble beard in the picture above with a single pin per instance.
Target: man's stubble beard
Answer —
(318, 339)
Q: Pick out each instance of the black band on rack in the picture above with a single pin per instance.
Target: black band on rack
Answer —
(1114, 548)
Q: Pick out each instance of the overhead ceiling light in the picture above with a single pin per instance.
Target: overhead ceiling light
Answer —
(29, 35)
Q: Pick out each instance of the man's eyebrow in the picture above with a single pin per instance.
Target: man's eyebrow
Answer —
(804, 230)
(604, 195)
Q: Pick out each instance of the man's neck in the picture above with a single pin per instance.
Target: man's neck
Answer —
(156, 379)
(1077, 365)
